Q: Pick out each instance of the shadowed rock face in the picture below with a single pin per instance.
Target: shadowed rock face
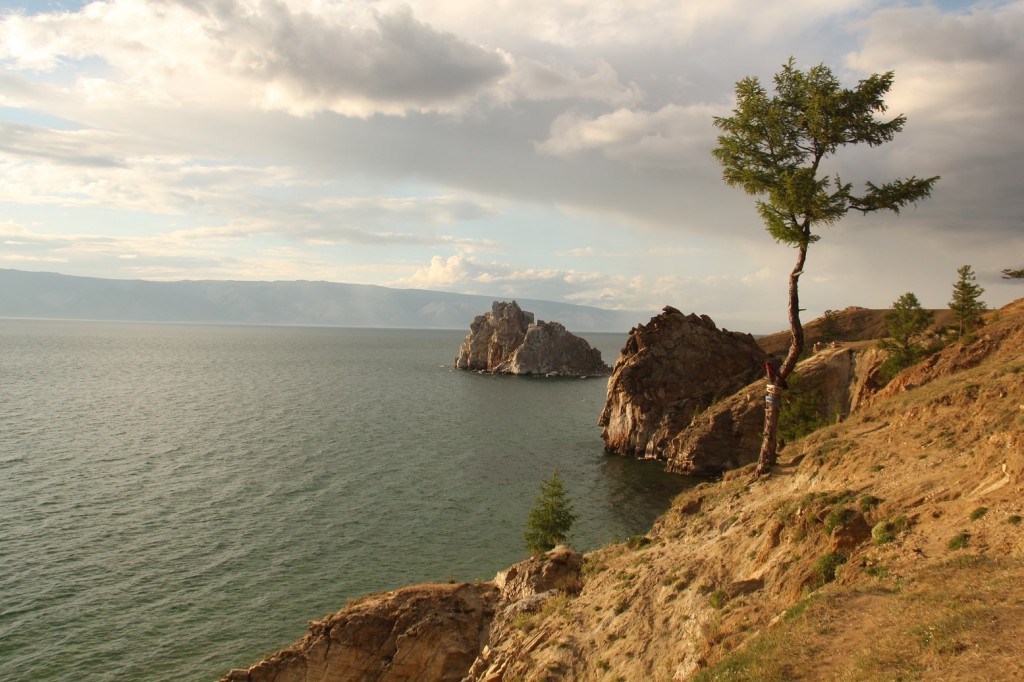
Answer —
(727, 435)
(508, 341)
(669, 369)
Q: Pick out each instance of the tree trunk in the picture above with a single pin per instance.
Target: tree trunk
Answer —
(773, 391)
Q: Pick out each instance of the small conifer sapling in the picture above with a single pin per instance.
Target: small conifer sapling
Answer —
(551, 517)
(966, 305)
(905, 323)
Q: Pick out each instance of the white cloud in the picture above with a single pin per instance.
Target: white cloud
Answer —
(535, 80)
(670, 137)
(731, 296)
(299, 59)
(296, 138)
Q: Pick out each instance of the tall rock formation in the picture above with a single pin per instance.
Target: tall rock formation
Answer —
(507, 340)
(670, 369)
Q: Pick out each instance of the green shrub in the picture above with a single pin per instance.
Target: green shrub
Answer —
(837, 517)
(827, 565)
(959, 541)
(1014, 520)
(867, 502)
(886, 531)
(978, 513)
(803, 410)
(718, 598)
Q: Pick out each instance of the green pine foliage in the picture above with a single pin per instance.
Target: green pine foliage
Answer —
(803, 410)
(775, 146)
(551, 517)
(906, 322)
(966, 304)
(1013, 273)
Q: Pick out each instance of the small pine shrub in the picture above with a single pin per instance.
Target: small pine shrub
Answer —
(551, 517)
(803, 410)
(978, 513)
(1014, 520)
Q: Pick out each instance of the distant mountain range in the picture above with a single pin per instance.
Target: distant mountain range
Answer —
(54, 296)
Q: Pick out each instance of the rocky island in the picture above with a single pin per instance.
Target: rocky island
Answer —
(507, 340)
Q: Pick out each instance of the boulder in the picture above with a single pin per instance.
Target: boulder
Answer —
(558, 569)
(670, 369)
(507, 340)
(426, 632)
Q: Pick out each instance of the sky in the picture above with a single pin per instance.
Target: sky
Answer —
(554, 149)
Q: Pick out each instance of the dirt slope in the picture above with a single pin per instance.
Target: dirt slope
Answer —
(735, 582)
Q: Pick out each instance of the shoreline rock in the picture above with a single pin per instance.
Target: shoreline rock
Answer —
(669, 370)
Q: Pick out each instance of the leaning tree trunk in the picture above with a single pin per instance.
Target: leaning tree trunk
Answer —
(777, 381)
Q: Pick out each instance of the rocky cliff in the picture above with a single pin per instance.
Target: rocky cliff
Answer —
(727, 435)
(887, 546)
(507, 340)
(669, 369)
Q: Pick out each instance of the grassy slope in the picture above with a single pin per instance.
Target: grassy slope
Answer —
(729, 584)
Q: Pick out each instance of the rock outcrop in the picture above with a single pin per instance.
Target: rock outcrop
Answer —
(669, 369)
(728, 434)
(423, 632)
(434, 632)
(507, 340)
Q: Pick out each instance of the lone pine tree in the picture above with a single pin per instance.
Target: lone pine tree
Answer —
(551, 517)
(773, 146)
(905, 323)
(966, 305)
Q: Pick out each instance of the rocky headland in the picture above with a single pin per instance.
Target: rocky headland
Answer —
(669, 370)
(507, 340)
(886, 544)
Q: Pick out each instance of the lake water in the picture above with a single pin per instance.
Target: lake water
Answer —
(178, 500)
